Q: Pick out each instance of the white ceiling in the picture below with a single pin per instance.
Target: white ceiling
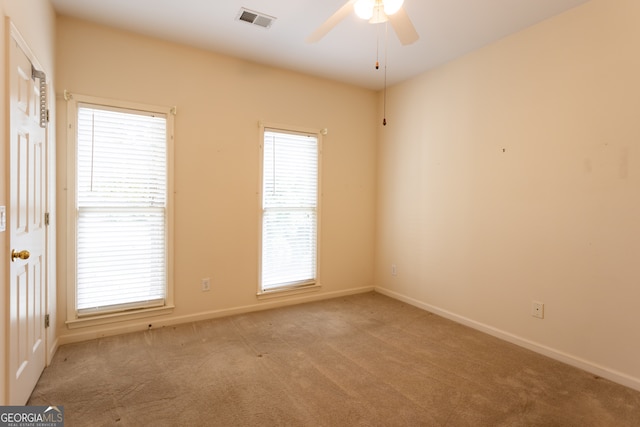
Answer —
(447, 29)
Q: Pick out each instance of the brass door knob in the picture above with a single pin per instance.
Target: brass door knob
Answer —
(22, 254)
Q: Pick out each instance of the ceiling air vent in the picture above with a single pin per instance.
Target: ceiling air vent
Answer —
(255, 18)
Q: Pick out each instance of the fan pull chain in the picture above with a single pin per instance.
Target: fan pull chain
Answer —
(386, 55)
(377, 47)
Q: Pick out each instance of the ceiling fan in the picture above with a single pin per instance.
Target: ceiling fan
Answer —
(375, 11)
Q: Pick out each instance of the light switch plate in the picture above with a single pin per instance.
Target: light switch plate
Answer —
(3, 218)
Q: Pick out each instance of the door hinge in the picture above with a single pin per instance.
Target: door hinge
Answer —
(47, 115)
(46, 218)
(46, 320)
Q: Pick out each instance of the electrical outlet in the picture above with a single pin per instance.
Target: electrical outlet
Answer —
(394, 270)
(206, 284)
(537, 309)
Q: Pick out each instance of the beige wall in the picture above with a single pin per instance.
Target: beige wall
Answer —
(512, 175)
(35, 20)
(219, 102)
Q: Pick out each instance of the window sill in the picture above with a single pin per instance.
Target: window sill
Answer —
(104, 319)
(283, 292)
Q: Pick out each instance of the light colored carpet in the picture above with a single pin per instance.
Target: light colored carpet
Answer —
(363, 360)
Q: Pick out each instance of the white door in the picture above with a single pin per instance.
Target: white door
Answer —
(27, 283)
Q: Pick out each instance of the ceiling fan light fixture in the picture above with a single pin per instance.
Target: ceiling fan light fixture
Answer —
(378, 15)
(392, 6)
(364, 8)
(374, 11)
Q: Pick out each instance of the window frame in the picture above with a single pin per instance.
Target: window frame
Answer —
(74, 320)
(295, 288)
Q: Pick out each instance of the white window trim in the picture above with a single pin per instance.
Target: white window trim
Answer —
(316, 284)
(73, 320)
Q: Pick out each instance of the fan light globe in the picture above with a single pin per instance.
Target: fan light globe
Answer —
(392, 6)
(364, 8)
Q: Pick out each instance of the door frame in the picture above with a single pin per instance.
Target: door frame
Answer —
(12, 34)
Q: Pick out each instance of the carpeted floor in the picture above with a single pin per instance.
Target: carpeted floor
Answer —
(363, 360)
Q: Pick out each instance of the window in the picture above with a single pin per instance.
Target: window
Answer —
(121, 199)
(290, 214)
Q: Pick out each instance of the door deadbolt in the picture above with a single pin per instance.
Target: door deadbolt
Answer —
(22, 255)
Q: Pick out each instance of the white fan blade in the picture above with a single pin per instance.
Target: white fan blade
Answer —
(403, 27)
(331, 22)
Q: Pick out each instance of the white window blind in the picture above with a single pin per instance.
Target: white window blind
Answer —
(121, 209)
(289, 210)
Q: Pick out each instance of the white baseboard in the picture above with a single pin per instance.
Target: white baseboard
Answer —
(143, 324)
(51, 350)
(585, 365)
